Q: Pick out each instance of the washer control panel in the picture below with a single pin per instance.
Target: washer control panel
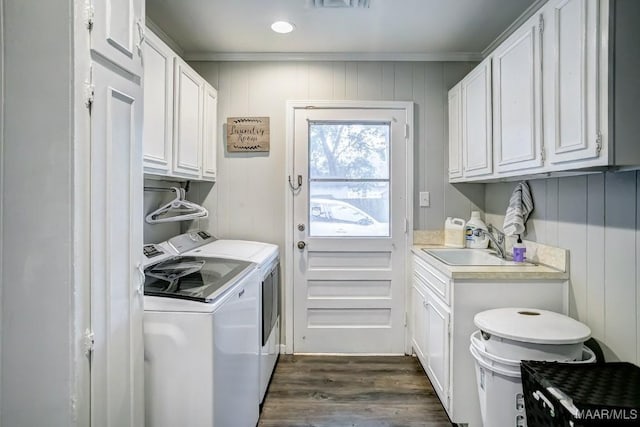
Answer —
(190, 240)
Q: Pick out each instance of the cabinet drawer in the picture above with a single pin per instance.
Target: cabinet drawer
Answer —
(432, 279)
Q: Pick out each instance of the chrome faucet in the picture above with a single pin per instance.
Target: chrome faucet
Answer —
(498, 241)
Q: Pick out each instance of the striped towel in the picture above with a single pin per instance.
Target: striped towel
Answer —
(520, 206)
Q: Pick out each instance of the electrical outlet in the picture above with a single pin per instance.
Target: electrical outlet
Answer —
(425, 199)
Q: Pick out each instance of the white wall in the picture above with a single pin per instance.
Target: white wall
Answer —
(596, 217)
(37, 277)
(250, 191)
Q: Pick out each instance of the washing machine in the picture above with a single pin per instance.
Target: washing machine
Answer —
(266, 256)
(201, 331)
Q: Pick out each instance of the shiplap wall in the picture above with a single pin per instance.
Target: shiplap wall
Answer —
(248, 200)
(596, 217)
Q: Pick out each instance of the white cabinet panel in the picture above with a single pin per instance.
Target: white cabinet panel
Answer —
(158, 100)
(419, 338)
(476, 121)
(188, 114)
(117, 397)
(517, 99)
(210, 140)
(438, 346)
(117, 32)
(571, 65)
(455, 133)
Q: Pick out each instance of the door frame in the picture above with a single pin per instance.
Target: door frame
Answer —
(291, 107)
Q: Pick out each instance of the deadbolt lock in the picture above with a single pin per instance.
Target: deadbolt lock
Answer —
(301, 227)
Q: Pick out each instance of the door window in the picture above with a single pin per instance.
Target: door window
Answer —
(349, 170)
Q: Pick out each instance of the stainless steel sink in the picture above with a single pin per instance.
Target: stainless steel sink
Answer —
(471, 257)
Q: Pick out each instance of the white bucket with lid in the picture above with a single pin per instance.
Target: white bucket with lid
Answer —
(531, 334)
(500, 385)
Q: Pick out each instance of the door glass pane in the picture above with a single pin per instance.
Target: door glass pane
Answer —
(349, 209)
(349, 150)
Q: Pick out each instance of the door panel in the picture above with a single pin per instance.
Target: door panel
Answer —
(571, 63)
(476, 121)
(116, 239)
(455, 133)
(437, 345)
(210, 136)
(117, 32)
(349, 276)
(188, 115)
(518, 99)
(158, 99)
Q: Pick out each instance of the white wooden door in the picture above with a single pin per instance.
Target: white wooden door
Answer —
(571, 80)
(476, 121)
(117, 32)
(117, 396)
(350, 222)
(517, 99)
(438, 345)
(455, 133)
(158, 101)
(210, 136)
(188, 116)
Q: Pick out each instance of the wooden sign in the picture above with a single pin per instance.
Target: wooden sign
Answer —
(247, 134)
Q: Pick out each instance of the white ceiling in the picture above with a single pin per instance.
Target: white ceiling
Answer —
(387, 27)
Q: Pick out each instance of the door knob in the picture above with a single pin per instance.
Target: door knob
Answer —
(301, 244)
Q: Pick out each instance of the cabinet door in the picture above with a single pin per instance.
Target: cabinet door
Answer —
(158, 105)
(117, 32)
(476, 121)
(117, 397)
(188, 116)
(517, 99)
(455, 134)
(419, 315)
(571, 83)
(210, 132)
(438, 346)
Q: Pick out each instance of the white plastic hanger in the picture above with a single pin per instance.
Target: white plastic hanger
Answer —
(179, 208)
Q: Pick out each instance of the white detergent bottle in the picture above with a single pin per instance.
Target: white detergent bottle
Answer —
(473, 238)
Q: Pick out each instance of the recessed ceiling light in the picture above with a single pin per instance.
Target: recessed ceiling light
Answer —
(282, 27)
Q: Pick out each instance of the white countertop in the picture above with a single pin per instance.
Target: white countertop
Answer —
(483, 272)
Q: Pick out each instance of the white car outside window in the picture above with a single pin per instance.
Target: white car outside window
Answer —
(335, 218)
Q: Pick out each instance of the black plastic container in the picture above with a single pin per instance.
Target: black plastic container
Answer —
(563, 394)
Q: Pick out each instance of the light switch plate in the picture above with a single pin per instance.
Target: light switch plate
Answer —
(425, 199)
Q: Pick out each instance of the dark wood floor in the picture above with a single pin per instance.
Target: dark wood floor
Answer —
(351, 391)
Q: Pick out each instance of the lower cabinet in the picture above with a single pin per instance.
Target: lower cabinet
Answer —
(431, 338)
(443, 306)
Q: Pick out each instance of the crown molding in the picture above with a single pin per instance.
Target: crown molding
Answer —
(326, 56)
(528, 13)
(164, 36)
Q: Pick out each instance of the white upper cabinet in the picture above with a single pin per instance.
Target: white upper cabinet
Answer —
(209, 140)
(564, 96)
(517, 99)
(571, 81)
(189, 114)
(476, 121)
(180, 116)
(455, 133)
(158, 109)
(117, 32)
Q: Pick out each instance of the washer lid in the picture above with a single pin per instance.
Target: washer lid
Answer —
(532, 325)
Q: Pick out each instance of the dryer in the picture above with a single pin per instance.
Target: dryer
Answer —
(266, 256)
